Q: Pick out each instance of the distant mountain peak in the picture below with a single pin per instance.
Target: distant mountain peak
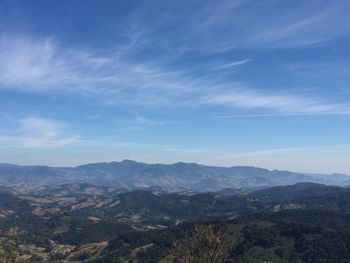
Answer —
(128, 161)
(131, 174)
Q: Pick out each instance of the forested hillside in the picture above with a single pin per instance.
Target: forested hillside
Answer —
(85, 223)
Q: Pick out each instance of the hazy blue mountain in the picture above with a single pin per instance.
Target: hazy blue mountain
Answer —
(129, 174)
(299, 190)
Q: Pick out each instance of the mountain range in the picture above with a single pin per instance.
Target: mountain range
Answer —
(131, 175)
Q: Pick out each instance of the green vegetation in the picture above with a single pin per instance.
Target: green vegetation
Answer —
(202, 244)
(309, 223)
(1, 254)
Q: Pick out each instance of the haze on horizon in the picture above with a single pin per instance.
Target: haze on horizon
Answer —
(258, 83)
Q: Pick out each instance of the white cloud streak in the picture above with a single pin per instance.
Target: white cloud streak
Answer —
(36, 132)
(286, 151)
(233, 64)
(284, 103)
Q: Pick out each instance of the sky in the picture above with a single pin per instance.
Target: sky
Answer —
(239, 82)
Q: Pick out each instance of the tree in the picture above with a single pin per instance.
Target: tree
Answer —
(1, 254)
(202, 244)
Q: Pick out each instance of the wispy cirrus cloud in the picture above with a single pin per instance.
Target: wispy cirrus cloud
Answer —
(212, 27)
(269, 24)
(232, 64)
(41, 65)
(33, 64)
(34, 132)
(250, 99)
(120, 77)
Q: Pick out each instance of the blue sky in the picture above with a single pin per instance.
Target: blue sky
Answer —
(263, 83)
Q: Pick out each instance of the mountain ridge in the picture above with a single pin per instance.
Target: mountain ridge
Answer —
(131, 174)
